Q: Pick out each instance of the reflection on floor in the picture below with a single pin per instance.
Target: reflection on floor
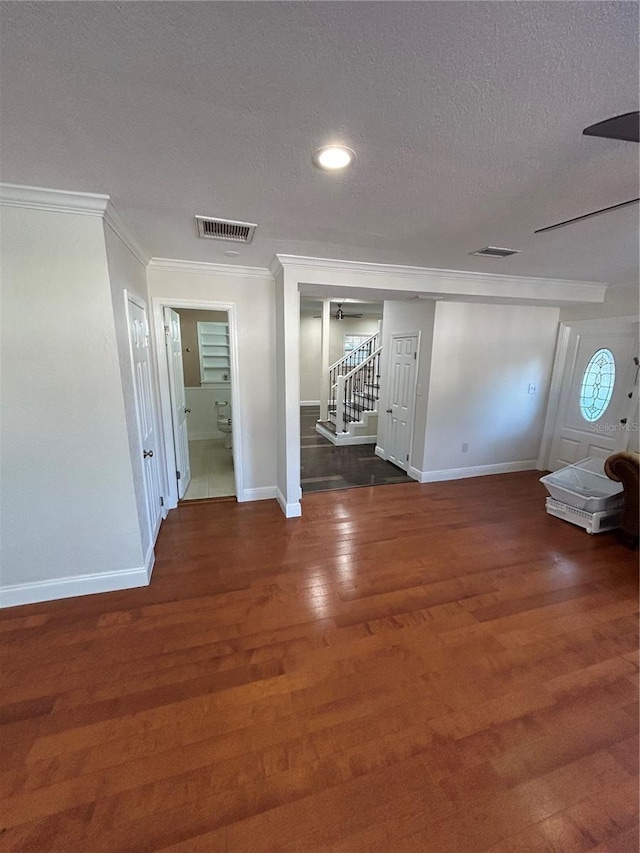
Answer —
(325, 466)
(211, 470)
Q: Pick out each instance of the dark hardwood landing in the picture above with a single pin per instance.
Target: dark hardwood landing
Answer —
(325, 467)
(436, 669)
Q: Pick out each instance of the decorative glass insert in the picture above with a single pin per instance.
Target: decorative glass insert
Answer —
(597, 385)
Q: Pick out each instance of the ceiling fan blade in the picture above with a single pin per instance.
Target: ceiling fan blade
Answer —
(587, 215)
(625, 127)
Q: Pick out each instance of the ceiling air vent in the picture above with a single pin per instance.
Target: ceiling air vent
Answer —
(495, 252)
(225, 229)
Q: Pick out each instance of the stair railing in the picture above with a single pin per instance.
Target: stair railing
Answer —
(361, 381)
(343, 366)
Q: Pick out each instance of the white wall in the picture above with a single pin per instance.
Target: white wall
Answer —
(254, 299)
(68, 500)
(403, 318)
(310, 356)
(484, 358)
(202, 420)
(619, 302)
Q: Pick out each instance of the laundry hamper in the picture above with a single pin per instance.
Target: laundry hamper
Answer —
(583, 495)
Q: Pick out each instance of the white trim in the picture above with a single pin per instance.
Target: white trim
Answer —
(415, 473)
(477, 471)
(553, 399)
(344, 438)
(602, 325)
(113, 219)
(380, 452)
(443, 280)
(309, 402)
(158, 305)
(71, 587)
(65, 201)
(263, 493)
(207, 268)
(293, 510)
(59, 201)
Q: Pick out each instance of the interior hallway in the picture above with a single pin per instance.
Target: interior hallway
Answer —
(324, 467)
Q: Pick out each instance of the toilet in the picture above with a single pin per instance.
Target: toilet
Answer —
(223, 421)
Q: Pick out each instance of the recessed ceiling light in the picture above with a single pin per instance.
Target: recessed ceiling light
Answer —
(333, 157)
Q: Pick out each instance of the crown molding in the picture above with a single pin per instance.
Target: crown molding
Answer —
(66, 201)
(59, 201)
(301, 263)
(114, 220)
(207, 268)
(443, 282)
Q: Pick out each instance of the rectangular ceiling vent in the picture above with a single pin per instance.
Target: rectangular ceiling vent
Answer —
(495, 252)
(225, 229)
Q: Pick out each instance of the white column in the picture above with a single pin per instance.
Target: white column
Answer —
(288, 392)
(324, 359)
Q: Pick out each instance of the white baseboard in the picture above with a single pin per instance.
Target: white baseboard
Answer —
(380, 452)
(293, 510)
(70, 587)
(415, 474)
(477, 471)
(263, 493)
(309, 402)
(344, 438)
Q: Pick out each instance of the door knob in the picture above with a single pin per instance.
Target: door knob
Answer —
(389, 411)
(187, 411)
(147, 453)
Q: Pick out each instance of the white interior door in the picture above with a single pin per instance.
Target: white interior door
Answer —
(597, 394)
(402, 387)
(143, 387)
(178, 401)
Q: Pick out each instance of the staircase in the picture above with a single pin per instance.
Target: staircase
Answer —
(354, 388)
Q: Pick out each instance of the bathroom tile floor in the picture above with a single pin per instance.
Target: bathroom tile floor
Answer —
(211, 470)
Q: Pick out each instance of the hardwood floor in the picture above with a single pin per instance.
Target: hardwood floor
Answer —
(412, 668)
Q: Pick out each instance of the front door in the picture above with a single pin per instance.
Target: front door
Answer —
(143, 386)
(597, 396)
(402, 388)
(173, 340)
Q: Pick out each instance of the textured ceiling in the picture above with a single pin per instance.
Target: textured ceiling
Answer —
(466, 119)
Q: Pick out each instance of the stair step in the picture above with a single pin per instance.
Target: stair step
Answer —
(328, 426)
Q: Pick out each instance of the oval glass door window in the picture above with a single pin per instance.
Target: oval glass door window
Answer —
(597, 385)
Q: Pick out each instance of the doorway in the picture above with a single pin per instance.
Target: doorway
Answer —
(340, 452)
(199, 396)
(596, 380)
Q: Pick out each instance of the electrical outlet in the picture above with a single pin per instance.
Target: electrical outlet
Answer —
(465, 447)
(533, 388)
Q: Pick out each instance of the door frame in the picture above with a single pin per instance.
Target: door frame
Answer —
(561, 362)
(159, 303)
(385, 454)
(130, 296)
